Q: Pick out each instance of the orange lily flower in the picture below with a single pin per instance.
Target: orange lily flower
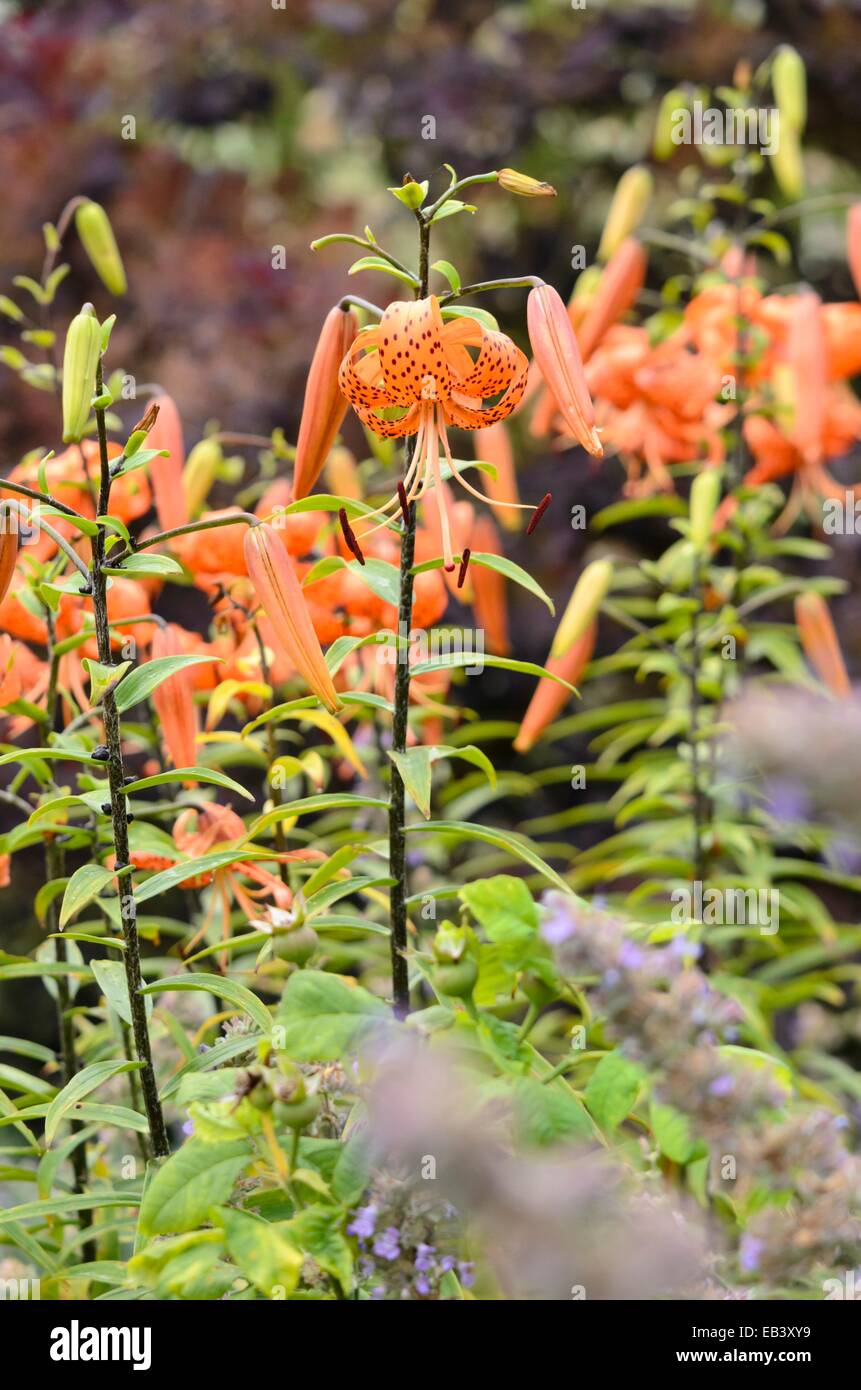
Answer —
(806, 354)
(820, 643)
(166, 473)
(493, 445)
(271, 572)
(173, 699)
(324, 408)
(414, 363)
(489, 589)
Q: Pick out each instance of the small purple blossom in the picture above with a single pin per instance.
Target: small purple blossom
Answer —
(387, 1244)
(363, 1222)
(631, 956)
(422, 1285)
(558, 923)
(424, 1254)
(722, 1085)
(749, 1253)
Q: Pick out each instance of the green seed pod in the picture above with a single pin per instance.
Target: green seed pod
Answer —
(536, 991)
(457, 980)
(297, 945)
(296, 1114)
(199, 473)
(99, 242)
(629, 202)
(705, 496)
(261, 1096)
(789, 84)
(80, 359)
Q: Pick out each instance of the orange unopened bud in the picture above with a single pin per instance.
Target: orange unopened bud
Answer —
(279, 591)
(807, 355)
(589, 593)
(820, 643)
(166, 473)
(8, 550)
(629, 202)
(558, 357)
(173, 700)
(488, 587)
(617, 291)
(493, 445)
(550, 698)
(324, 408)
(523, 185)
(853, 245)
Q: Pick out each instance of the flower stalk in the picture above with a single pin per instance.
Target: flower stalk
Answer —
(119, 812)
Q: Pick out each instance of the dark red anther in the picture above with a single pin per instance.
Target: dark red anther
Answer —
(539, 512)
(349, 537)
(464, 566)
(405, 506)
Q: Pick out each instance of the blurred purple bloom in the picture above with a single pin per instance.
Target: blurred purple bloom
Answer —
(749, 1253)
(424, 1253)
(363, 1222)
(722, 1085)
(387, 1244)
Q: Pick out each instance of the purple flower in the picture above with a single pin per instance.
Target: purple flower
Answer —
(363, 1222)
(557, 924)
(446, 1263)
(423, 1260)
(722, 1085)
(630, 957)
(683, 948)
(422, 1285)
(387, 1244)
(749, 1253)
(188, 1127)
(465, 1273)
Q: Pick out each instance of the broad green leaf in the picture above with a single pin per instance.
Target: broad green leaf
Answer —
(545, 1115)
(146, 565)
(613, 1089)
(111, 979)
(261, 1251)
(511, 571)
(210, 775)
(324, 1016)
(168, 879)
(190, 1183)
(414, 765)
(319, 1231)
(504, 907)
(377, 263)
(85, 884)
(381, 578)
(672, 1132)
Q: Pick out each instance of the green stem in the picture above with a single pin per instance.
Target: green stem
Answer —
(119, 810)
(484, 286)
(428, 214)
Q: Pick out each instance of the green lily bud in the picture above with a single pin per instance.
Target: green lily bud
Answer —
(672, 102)
(788, 164)
(199, 473)
(789, 83)
(629, 202)
(705, 496)
(589, 593)
(99, 242)
(80, 359)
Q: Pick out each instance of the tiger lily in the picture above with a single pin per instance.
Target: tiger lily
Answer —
(413, 363)
(173, 699)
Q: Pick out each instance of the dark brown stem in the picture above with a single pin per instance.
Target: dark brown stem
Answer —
(119, 812)
(397, 799)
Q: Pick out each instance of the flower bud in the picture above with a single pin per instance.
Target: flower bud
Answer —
(672, 102)
(705, 496)
(629, 202)
(589, 593)
(165, 471)
(820, 643)
(199, 473)
(550, 698)
(787, 164)
(8, 550)
(324, 407)
(523, 185)
(789, 84)
(617, 291)
(853, 245)
(558, 356)
(99, 242)
(80, 360)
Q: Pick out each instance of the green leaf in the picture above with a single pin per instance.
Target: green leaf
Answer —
(324, 1016)
(79, 1087)
(102, 677)
(511, 571)
(381, 578)
(111, 979)
(145, 565)
(411, 194)
(142, 682)
(171, 878)
(447, 269)
(672, 1132)
(546, 1115)
(515, 845)
(504, 907)
(230, 990)
(261, 1251)
(377, 263)
(85, 884)
(211, 775)
(414, 765)
(70, 1205)
(448, 661)
(184, 1190)
(613, 1089)
(318, 1230)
